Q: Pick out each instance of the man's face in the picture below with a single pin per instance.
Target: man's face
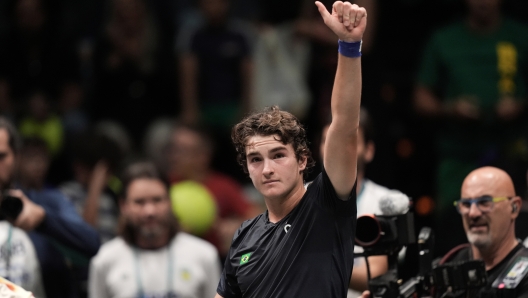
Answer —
(273, 166)
(7, 160)
(147, 208)
(33, 166)
(483, 10)
(188, 153)
(484, 230)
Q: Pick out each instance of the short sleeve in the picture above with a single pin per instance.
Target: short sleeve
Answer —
(331, 201)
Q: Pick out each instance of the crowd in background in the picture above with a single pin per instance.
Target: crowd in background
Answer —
(92, 85)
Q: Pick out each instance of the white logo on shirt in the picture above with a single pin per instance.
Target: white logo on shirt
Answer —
(287, 228)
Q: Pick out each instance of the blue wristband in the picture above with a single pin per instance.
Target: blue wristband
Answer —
(350, 49)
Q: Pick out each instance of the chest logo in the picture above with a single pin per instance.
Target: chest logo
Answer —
(287, 228)
(244, 258)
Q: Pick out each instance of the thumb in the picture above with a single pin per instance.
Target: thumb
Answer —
(322, 10)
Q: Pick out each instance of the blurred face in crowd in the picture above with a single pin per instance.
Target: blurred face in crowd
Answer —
(483, 11)
(7, 160)
(489, 229)
(129, 15)
(188, 153)
(29, 14)
(147, 209)
(215, 11)
(33, 167)
(365, 151)
(39, 107)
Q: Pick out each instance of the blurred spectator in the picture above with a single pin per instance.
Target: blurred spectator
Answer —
(33, 164)
(72, 111)
(472, 80)
(34, 55)
(152, 258)
(63, 241)
(95, 160)
(40, 121)
(133, 69)
(215, 69)
(156, 142)
(189, 158)
(19, 262)
(215, 74)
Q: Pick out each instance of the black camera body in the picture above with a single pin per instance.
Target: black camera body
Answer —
(387, 235)
(10, 206)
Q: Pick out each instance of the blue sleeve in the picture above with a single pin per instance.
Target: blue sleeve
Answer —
(64, 225)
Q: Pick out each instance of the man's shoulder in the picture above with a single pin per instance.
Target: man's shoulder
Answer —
(111, 251)
(247, 225)
(457, 253)
(16, 233)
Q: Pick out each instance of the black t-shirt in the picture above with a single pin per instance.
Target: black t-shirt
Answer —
(520, 291)
(309, 253)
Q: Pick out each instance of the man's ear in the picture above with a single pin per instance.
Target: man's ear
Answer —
(302, 162)
(516, 206)
(370, 150)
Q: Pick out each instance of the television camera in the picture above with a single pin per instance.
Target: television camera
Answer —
(388, 235)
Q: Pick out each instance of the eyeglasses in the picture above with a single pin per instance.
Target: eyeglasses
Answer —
(484, 203)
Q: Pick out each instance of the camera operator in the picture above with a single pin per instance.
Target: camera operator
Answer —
(489, 207)
(50, 221)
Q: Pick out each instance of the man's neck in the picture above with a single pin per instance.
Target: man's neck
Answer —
(278, 208)
(494, 255)
(484, 26)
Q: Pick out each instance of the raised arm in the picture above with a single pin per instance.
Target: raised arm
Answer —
(348, 22)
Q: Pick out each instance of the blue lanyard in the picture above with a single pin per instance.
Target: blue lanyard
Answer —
(8, 252)
(141, 293)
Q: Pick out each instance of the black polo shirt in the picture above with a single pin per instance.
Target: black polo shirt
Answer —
(309, 253)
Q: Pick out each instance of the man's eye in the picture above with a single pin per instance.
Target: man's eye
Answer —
(255, 159)
(279, 155)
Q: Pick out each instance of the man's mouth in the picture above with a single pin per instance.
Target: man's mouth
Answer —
(478, 227)
(270, 181)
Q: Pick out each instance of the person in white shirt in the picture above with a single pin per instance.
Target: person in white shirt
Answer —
(151, 257)
(18, 259)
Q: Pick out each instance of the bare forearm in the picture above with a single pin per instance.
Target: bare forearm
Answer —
(359, 279)
(346, 95)
(91, 207)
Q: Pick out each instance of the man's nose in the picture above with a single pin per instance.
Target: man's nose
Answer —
(268, 167)
(474, 211)
(149, 209)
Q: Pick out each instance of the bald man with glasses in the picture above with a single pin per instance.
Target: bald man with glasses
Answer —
(489, 207)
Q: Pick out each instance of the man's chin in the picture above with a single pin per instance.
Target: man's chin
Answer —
(152, 232)
(478, 240)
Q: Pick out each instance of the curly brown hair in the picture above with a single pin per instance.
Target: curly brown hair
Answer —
(272, 121)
